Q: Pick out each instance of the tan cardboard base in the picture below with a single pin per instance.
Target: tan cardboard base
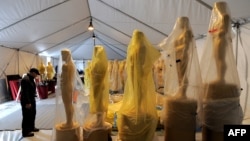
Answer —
(72, 134)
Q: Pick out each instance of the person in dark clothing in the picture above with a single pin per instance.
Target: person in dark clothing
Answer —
(28, 103)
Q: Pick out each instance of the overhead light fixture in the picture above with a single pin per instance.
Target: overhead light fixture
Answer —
(91, 27)
(93, 36)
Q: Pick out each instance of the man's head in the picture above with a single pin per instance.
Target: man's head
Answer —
(34, 72)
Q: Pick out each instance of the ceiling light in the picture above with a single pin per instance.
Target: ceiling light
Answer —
(91, 27)
(94, 38)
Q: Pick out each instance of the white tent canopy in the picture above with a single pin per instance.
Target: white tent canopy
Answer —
(45, 26)
(30, 30)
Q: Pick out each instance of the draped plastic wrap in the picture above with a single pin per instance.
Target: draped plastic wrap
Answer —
(219, 73)
(115, 78)
(99, 96)
(116, 99)
(183, 84)
(110, 67)
(159, 73)
(137, 117)
(87, 77)
(69, 84)
(42, 71)
(50, 71)
(182, 72)
(122, 74)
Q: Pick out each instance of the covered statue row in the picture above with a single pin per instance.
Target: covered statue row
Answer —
(92, 126)
(195, 95)
(82, 118)
(46, 72)
(116, 78)
(200, 93)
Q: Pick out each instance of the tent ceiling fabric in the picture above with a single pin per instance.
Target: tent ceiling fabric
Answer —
(46, 26)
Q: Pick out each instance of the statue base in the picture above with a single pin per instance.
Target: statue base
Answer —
(180, 119)
(68, 134)
(175, 134)
(101, 134)
(216, 91)
(210, 135)
(135, 129)
(221, 105)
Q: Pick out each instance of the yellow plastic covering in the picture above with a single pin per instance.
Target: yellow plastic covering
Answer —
(110, 66)
(137, 117)
(98, 97)
(50, 71)
(122, 74)
(42, 71)
(98, 81)
(113, 108)
(114, 78)
(219, 73)
(41, 68)
(87, 77)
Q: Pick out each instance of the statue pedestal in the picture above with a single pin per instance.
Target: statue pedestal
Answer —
(175, 134)
(71, 134)
(217, 113)
(180, 119)
(221, 106)
(209, 135)
(217, 90)
(131, 128)
(99, 134)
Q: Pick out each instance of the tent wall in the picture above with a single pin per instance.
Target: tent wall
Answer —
(45, 27)
(4, 94)
(200, 44)
(242, 49)
(27, 61)
(16, 62)
(8, 62)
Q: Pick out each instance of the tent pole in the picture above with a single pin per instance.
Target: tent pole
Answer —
(205, 4)
(18, 55)
(104, 42)
(114, 40)
(98, 20)
(60, 43)
(83, 66)
(6, 66)
(118, 10)
(30, 16)
(33, 60)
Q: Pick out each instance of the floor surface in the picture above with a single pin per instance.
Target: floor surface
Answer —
(47, 135)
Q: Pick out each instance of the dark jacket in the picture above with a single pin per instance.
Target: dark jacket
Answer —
(28, 89)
